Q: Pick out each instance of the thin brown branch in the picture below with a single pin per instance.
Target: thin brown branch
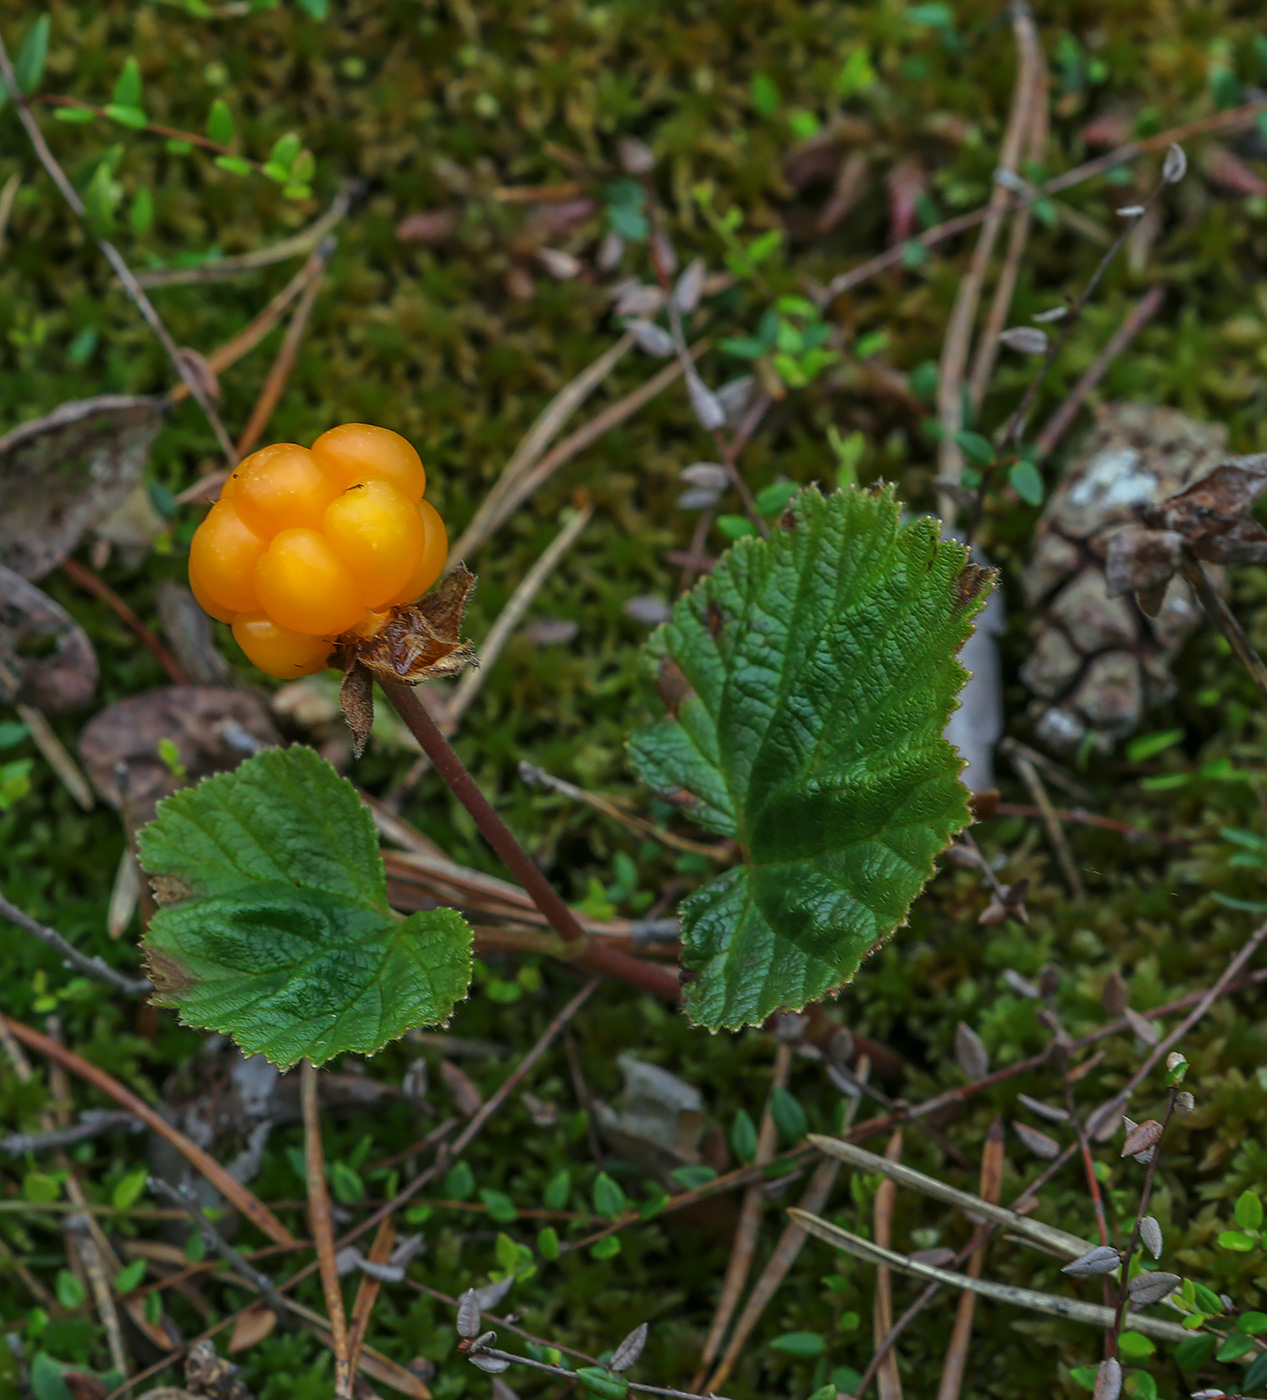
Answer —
(321, 1224)
(238, 1195)
(112, 255)
(1237, 119)
(367, 1292)
(956, 1360)
(1060, 422)
(888, 1379)
(98, 587)
(955, 346)
(1225, 620)
(593, 957)
(94, 967)
(744, 1245)
(280, 371)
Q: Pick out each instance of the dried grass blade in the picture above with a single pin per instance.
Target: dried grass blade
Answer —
(956, 1362)
(1058, 1241)
(322, 1225)
(887, 1378)
(367, 1292)
(1093, 1314)
(536, 441)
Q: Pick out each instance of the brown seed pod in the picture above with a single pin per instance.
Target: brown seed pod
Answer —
(1098, 661)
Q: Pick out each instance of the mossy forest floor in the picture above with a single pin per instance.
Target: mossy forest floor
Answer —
(458, 342)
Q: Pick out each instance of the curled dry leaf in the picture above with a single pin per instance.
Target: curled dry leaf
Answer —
(467, 1099)
(1184, 1103)
(1149, 1288)
(970, 1052)
(1114, 998)
(690, 286)
(428, 226)
(1175, 166)
(705, 404)
(1044, 1110)
(1022, 986)
(1212, 514)
(736, 397)
(501, 1391)
(62, 474)
(649, 337)
(630, 1349)
(492, 1293)
(494, 1365)
(1102, 1123)
(709, 474)
(1150, 1233)
(1025, 340)
(1108, 1380)
(1145, 1029)
(636, 157)
(698, 498)
(1038, 1143)
(639, 301)
(647, 608)
(561, 265)
(468, 1319)
(65, 677)
(1103, 1259)
(211, 729)
(1142, 1137)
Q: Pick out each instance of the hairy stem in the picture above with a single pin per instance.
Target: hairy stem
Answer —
(609, 962)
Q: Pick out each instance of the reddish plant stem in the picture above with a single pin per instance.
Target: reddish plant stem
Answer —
(99, 588)
(610, 962)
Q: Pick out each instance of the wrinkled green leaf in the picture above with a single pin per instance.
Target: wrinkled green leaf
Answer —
(275, 927)
(809, 679)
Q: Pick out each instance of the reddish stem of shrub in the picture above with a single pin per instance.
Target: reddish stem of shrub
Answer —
(609, 962)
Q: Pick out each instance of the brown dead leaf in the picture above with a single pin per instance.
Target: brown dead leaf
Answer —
(64, 473)
(253, 1326)
(1212, 514)
(63, 679)
(428, 226)
(212, 729)
(467, 1099)
(1142, 1138)
(423, 641)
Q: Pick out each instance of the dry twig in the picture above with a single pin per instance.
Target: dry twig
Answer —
(321, 1223)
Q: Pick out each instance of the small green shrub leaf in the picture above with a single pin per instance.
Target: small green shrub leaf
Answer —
(743, 1136)
(1249, 1210)
(220, 126)
(602, 1383)
(806, 1344)
(127, 91)
(275, 927)
(28, 67)
(1196, 1351)
(1257, 1372)
(809, 679)
(1252, 1323)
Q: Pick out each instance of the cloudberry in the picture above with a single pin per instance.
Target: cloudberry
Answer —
(306, 544)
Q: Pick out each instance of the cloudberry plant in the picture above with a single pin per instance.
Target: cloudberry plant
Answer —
(307, 544)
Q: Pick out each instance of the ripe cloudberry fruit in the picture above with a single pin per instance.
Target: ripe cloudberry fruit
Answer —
(306, 544)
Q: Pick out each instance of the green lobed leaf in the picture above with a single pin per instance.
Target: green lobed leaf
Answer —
(278, 932)
(810, 677)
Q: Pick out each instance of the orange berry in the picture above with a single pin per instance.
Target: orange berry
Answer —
(378, 533)
(283, 487)
(304, 585)
(435, 550)
(220, 614)
(278, 651)
(222, 560)
(229, 486)
(355, 451)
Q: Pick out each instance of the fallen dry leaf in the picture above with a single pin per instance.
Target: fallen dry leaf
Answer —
(62, 474)
(63, 679)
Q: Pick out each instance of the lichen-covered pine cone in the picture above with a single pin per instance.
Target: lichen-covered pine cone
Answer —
(1099, 662)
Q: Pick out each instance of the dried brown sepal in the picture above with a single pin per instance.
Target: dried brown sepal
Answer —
(420, 641)
(356, 699)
